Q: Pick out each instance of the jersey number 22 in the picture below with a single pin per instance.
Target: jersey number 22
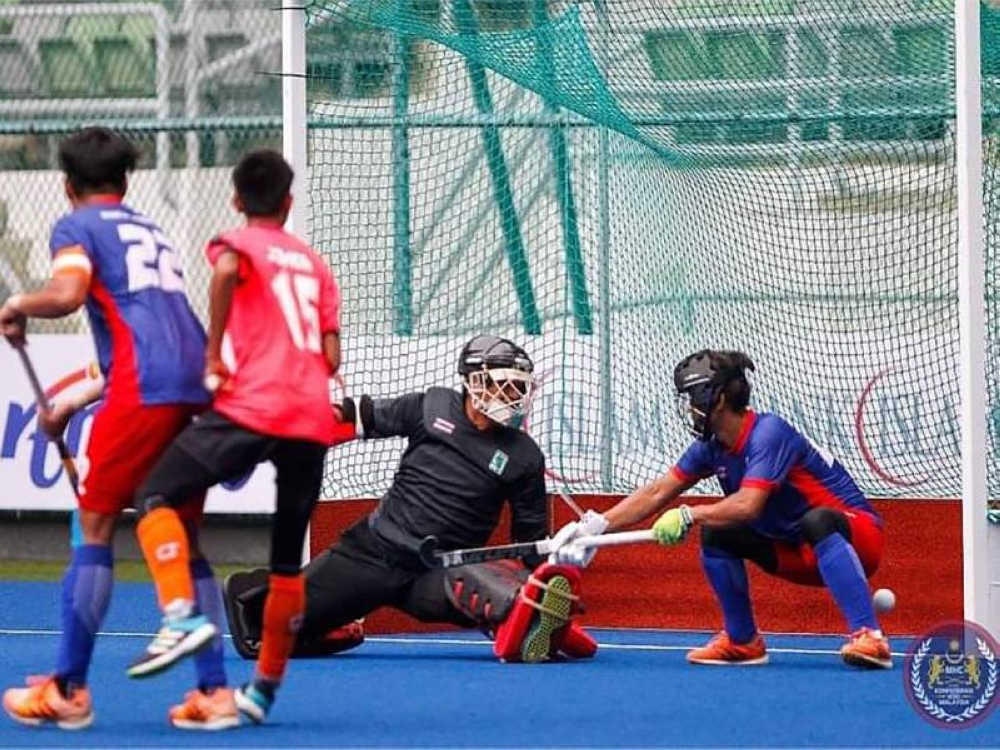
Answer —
(151, 261)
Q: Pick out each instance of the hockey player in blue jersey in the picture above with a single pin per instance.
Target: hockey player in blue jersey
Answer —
(118, 264)
(789, 507)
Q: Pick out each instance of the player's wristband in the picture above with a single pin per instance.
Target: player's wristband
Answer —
(366, 416)
(348, 411)
(361, 413)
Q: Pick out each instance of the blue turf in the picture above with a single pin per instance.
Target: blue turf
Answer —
(407, 692)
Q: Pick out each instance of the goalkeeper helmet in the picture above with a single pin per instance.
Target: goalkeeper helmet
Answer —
(702, 379)
(497, 376)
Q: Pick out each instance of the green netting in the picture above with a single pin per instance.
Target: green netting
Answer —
(620, 183)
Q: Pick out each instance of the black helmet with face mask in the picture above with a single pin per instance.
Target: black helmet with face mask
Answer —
(700, 381)
(497, 375)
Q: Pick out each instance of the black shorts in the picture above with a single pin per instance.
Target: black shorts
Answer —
(213, 449)
(227, 450)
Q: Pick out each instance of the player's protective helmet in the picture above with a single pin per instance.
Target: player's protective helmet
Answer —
(702, 378)
(497, 375)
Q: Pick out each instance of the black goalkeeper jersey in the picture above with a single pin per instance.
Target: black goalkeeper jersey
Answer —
(453, 479)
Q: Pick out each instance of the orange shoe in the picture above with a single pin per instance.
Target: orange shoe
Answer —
(722, 650)
(866, 650)
(206, 711)
(42, 702)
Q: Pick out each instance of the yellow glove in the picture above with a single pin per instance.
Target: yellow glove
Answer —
(673, 526)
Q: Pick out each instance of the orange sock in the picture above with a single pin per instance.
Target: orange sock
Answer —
(286, 601)
(165, 546)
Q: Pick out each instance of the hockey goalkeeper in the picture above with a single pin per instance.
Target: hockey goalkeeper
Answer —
(465, 458)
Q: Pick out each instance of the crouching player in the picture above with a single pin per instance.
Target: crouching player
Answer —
(465, 458)
(789, 507)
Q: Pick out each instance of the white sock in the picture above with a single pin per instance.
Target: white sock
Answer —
(178, 609)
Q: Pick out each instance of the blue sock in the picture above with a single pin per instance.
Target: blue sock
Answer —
(728, 577)
(841, 571)
(208, 661)
(86, 594)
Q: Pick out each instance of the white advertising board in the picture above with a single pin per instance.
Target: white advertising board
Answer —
(31, 476)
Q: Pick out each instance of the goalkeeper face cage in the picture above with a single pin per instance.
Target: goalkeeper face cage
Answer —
(497, 376)
(502, 393)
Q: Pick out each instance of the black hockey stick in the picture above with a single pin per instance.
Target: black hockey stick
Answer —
(43, 405)
(433, 557)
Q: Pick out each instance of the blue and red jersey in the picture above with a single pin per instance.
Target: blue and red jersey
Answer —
(150, 345)
(771, 454)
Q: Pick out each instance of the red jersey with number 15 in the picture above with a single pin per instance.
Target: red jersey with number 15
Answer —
(285, 301)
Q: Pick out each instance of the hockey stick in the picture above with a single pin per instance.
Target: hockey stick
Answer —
(567, 500)
(43, 406)
(570, 503)
(432, 556)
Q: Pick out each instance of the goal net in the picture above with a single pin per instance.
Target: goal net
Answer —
(618, 184)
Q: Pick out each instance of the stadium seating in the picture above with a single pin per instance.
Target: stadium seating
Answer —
(124, 67)
(20, 70)
(693, 74)
(67, 68)
(869, 55)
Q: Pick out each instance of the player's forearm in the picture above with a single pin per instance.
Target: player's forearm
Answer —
(93, 392)
(641, 504)
(220, 301)
(54, 300)
(734, 510)
(331, 350)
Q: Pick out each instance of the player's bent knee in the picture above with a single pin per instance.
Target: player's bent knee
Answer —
(714, 539)
(819, 523)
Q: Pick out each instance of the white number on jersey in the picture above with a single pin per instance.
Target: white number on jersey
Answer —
(151, 261)
(298, 295)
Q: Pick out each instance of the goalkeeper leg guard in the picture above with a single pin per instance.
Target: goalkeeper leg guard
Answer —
(574, 642)
(545, 605)
(486, 592)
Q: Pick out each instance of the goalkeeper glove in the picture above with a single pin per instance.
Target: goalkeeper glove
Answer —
(591, 523)
(673, 526)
